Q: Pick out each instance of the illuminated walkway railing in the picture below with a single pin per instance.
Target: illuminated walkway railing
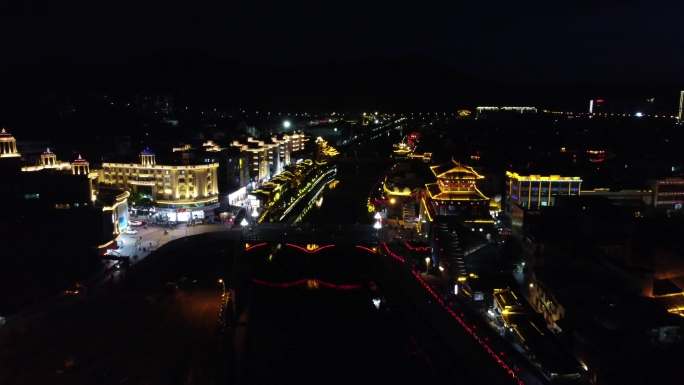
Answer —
(458, 318)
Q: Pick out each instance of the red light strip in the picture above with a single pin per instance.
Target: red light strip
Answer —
(421, 249)
(309, 251)
(255, 246)
(304, 282)
(392, 254)
(461, 322)
(366, 249)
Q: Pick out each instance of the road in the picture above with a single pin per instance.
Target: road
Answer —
(137, 332)
(150, 237)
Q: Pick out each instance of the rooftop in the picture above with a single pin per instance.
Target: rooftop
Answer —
(455, 170)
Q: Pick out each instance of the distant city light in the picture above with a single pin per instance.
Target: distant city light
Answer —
(377, 225)
(286, 124)
(639, 114)
(376, 303)
(376, 121)
(244, 222)
(377, 216)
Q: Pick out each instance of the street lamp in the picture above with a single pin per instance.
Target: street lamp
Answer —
(255, 213)
(244, 223)
(427, 265)
(377, 216)
(287, 124)
(377, 225)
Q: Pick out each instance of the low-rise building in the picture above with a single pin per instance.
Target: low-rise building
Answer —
(532, 192)
(668, 193)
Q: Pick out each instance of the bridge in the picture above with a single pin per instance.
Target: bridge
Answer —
(275, 259)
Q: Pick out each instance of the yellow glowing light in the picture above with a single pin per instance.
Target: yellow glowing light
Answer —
(392, 201)
(462, 279)
(539, 178)
(102, 246)
(403, 193)
(427, 211)
(312, 247)
(188, 201)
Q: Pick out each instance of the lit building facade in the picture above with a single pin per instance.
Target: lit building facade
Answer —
(170, 186)
(668, 193)
(51, 196)
(8, 145)
(262, 160)
(455, 193)
(531, 192)
(450, 208)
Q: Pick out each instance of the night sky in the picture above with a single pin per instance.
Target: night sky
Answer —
(257, 44)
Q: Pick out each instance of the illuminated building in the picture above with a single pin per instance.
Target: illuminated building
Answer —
(532, 192)
(668, 193)
(53, 197)
(401, 192)
(463, 113)
(402, 150)
(324, 150)
(8, 145)
(49, 161)
(680, 113)
(596, 156)
(595, 105)
(485, 110)
(455, 193)
(264, 159)
(169, 186)
(406, 150)
(277, 197)
(450, 207)
(532, 335)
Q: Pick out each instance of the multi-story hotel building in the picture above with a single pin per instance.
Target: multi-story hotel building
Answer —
(264, 159)
(531, 192)
(169, 186)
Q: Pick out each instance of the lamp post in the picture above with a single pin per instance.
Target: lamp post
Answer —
(223, 286)
(427, 265)
(377, 226)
